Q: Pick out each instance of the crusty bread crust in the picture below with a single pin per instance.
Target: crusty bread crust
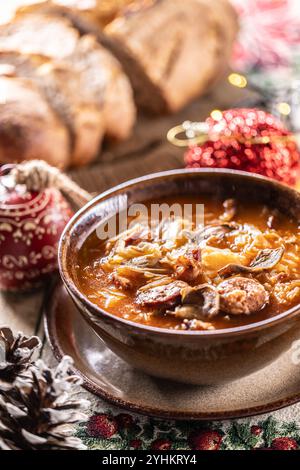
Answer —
(172, 49)
(39, 34)
(29, 129)
(59, 83)
(62, 84)
(99, 12)
(80, 86)
(103, 79)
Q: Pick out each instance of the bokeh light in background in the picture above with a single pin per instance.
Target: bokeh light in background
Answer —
(269, 33)
(284, 108)
(267, 55)
(216, 114)
(237, 80)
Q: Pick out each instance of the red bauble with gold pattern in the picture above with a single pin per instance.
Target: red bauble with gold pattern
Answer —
(238, 144)
(30, 227)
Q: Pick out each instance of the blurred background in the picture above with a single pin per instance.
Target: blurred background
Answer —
(266, 51)
(251, 58)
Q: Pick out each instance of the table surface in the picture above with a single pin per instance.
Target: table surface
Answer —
(146, 152)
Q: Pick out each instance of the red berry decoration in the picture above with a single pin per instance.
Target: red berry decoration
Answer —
(250, 140)
(102, 425)
(205, 439)
(135, 444)
(31, 223)
(256, 430)
(161, 444)
(284, 443)
(124, 420)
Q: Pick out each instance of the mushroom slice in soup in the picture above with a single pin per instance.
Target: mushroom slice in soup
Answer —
(241, 295)
(200, 236)
(161, 297)
(128, 276)
(143, 255)
(200, 302)
(266, 259)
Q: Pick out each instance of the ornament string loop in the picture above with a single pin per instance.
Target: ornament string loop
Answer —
(193, 133)
(37, 175)
(188, 133)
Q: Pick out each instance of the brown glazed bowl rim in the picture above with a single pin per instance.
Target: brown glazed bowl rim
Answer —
(139, 327)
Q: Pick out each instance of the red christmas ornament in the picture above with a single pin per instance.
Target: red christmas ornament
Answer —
(250, 140)
(31, 223)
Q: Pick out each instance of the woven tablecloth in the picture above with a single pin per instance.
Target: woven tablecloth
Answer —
(111, 428)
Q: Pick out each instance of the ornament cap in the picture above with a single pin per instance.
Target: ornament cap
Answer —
(191, 133)
(195, 133)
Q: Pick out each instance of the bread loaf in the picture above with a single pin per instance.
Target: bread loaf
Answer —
(99, 12)
(60, 84)
(39, 34)
(107, 85)
(79, 83)
(69, 96)
(172, 50)
(29, 128)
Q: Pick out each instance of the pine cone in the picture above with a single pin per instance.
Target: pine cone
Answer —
(38, 413)
(16, 356)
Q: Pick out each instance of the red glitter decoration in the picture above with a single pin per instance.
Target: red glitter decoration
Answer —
(278, 159)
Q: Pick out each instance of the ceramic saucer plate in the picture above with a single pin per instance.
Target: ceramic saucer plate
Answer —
(109, 377)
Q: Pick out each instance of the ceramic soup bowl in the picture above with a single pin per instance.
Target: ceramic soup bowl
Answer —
(195, 357)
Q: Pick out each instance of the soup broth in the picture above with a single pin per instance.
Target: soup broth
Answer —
(241, 267)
